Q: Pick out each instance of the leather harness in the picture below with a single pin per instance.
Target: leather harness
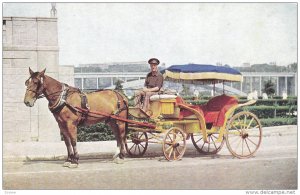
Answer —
(61, 103)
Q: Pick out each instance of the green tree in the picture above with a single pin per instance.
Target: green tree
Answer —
(119, 86)
(293, 67)
(269, 88)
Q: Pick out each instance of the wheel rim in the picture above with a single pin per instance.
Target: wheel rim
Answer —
(174, 144)
(136, 144)
(212, 147)
(244, 133)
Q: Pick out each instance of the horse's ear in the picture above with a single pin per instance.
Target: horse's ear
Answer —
(30, 71)
(42, 73)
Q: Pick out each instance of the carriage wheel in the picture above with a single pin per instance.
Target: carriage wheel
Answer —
(136, 144)
(174, 144)
(212, 147)
(244, 133)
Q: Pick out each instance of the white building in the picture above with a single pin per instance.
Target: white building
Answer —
(29, 42)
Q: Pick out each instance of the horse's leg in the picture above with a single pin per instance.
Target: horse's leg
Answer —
(115, 129)
(122, 136)
(72, 129)
(68, 145)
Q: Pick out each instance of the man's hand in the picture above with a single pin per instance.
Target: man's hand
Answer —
(154, 89)
(145, 89)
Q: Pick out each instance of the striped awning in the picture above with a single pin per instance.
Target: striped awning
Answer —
(193, 73)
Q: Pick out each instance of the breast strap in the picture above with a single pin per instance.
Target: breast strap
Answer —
(61, 101)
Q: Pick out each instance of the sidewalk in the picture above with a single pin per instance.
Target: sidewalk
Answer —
(27, 151)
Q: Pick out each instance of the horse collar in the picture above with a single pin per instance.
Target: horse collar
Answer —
(61, 101)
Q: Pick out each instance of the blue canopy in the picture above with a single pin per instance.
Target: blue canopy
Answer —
(201, 72)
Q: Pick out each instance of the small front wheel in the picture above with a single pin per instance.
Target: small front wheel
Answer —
(136, 144)
(244, 134)
(174, 144)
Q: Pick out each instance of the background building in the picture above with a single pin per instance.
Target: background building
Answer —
(132, 74)
(29, 42)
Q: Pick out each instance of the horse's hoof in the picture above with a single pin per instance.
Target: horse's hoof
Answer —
(118, 160)
(66, 164)
(73, 165)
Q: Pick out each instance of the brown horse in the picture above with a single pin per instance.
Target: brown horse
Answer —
(63, 101)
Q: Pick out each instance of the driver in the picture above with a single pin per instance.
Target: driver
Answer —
(153, 83)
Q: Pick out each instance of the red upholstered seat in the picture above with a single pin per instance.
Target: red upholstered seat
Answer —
(214, 110)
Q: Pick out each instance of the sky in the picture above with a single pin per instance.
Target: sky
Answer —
(175, 33)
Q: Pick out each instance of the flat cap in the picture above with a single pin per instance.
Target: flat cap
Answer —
(153, 61)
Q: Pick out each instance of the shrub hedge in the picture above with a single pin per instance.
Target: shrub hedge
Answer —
(268, 122)
(97, 132)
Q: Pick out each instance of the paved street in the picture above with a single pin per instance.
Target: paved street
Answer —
(273, 167)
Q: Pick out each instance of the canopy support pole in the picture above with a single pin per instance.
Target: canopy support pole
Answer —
(214, 92)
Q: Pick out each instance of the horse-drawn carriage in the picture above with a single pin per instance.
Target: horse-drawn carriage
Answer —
(171, 122)
(208, 125)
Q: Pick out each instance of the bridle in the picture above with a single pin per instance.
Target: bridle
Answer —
(54, 104)
(40, 88)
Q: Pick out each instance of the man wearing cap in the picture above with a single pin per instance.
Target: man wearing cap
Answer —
(153, 83)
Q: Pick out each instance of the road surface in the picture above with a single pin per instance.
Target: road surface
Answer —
(273, 167)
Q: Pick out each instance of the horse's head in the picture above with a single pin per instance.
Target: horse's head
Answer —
(35, 87)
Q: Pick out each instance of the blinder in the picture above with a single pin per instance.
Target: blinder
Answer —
(39, 88)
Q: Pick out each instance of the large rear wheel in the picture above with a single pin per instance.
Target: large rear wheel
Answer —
(244, 134)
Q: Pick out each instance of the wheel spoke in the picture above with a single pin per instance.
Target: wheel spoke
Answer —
(243, 146)
(239, 143)
(248, 146)
(170, 152)
(214, 143)
(142, 145)
(132, 146)
(245, 120)
(199, 139)
(141, 136)
(252, 141)
(174, 154)
(169, 147)
(135, 148)
(170, 137)
(208, 144)
(236, 128)
(214, 136)
(250, 123)
(202, 145)
(178, 139)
